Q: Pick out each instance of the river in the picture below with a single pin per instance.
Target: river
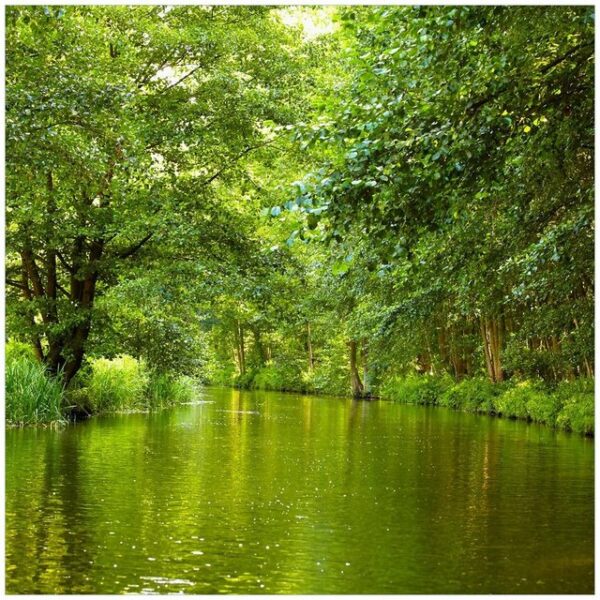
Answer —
(263, 492)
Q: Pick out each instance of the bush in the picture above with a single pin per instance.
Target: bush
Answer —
(244, 381)
(473, 395)
(32, 396)
(517, 401)
(117, 384)
(577, 405)
(278, 377)
(416, 389)
(269, 378)
(13, 349)
(166, 390)
(543, 407)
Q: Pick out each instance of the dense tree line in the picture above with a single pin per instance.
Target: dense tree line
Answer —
(211, 190)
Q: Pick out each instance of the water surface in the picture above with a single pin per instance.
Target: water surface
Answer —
(254, 492)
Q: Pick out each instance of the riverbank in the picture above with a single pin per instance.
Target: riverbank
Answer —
(119, 384)
(568, 405)
(125, 384)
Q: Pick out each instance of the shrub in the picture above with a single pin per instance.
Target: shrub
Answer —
(416, 389)
(32, 396)
(244, 381)
(543, 407)
(278, 377)
(517, 401)
(166, 390)
(577, 405)
(269, 378)
(474, 395)
(117, 384)
(13, 349)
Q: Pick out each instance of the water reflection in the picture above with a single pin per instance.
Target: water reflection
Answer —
(277, 493)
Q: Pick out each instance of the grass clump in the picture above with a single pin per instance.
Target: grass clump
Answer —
(416, 389)
(513, 403)
(472, 395)
(117, 384)
(283, 378)
(166, 390)
(32, 396)
(576, 406)
(529, 400)
(570, 406)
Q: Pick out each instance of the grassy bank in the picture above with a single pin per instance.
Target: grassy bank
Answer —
(125, 384)
(121, 384)
(32, 397)
(568, 405)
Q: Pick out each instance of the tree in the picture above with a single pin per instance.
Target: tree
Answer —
(120, 122)
(465, 152)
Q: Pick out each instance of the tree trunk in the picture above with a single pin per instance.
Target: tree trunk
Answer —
(35, 340)
(262, 353)
(589, 369)
(239, 336)
(491, 334)
(365, 362)
(355, 382)
(311, 359)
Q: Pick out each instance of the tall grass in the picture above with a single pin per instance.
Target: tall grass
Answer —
(117, 384)
(416, 389)
(32, 396)
(166, 390)
(577, 405)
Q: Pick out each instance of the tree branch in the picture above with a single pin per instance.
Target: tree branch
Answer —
(476, 105)
(564, 57)
(180, 80)
(135, 247)
(65, 264)
(18, 285)
(235, 160)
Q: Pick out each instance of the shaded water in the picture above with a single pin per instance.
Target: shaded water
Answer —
(254, 492)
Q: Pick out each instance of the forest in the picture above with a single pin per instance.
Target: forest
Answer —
(388, 202)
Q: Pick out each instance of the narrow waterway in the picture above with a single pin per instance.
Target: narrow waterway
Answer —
(254, 492)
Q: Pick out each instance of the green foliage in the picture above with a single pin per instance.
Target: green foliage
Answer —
(32, 396)
(14, 349)
(529, 400)
(577, 399)
(416, 389)
(271, 377)
(166, 390)
(570, 406)
(119, 384)
(206, 191)
(473, 395)
(129, 132)
(461, 147)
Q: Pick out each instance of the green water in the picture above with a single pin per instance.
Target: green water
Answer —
(278, 493)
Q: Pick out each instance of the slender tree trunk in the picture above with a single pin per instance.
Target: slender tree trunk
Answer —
(589, 370)
(311, 360)
(259, 345)
(492, 343)
(35, 340)
(365, 363)
(241, 349)
(497, 328)
(355, 382)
